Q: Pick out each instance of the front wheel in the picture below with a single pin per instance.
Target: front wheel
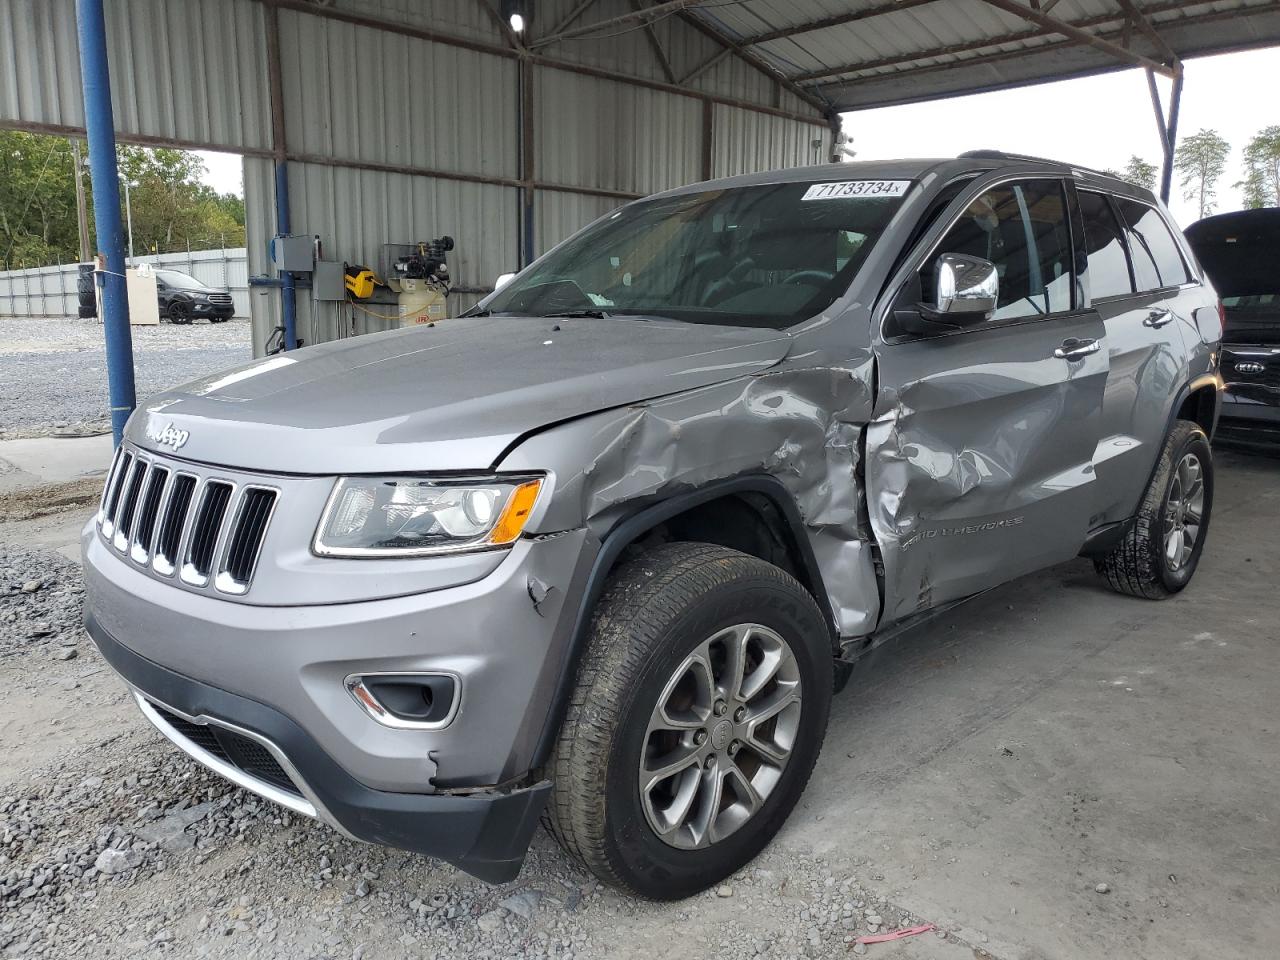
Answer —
(1160, 552)
(700, 709)
(180, 313)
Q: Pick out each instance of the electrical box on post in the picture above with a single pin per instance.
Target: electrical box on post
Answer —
(296, 254)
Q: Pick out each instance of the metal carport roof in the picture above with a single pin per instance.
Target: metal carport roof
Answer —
(853, 54)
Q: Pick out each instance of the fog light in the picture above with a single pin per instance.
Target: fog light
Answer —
(408, 701)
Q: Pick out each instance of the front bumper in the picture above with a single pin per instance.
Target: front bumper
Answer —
(484, 833)
(507, 650)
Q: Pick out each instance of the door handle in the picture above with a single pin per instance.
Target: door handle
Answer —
(1158, 318)
(1075, 349)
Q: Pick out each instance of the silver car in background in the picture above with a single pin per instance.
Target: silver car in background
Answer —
(600, 552)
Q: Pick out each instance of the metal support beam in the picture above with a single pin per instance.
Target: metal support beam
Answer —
(708, 139)
(1141, 21)
(1076, 33)
(275, 89)
(528, 163)
(749, 57)
(878, 10)
(971, 46)
(642, 15)
(581, 69)
(656, 45)
(1168, 130)
(100, 123)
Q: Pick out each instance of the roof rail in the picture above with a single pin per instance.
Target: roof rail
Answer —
(1004, 155)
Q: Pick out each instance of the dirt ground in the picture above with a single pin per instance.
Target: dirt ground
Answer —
(1051, 771)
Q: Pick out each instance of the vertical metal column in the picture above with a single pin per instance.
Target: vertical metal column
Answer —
(275, 83)
(100, 125)
(528, 157)
(1168, 131)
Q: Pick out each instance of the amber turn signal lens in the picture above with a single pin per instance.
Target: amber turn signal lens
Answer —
(515, 514)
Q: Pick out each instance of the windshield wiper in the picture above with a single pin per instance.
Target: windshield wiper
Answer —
(570, 314)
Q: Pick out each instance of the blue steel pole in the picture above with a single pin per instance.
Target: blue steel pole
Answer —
(288, 296)
(100, 126)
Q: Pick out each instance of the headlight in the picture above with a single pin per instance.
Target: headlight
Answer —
(413, 517)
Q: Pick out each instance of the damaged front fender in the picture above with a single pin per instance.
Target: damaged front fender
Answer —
(799, 423)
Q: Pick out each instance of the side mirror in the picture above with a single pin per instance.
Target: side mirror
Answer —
(503, 280)
(966, 289)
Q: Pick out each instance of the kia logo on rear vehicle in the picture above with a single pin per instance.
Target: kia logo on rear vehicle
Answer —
(1249, 366)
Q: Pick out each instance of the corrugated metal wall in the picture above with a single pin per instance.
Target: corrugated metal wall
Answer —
(192, 72)
(51, 291)
(387, 126)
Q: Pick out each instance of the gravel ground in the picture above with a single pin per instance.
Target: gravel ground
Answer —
(53, 374)
(113, 844)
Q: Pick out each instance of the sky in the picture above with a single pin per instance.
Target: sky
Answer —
(1094, 121)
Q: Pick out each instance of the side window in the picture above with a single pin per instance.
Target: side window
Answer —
(1022, 229)
(1109, 272)
(1157, 262)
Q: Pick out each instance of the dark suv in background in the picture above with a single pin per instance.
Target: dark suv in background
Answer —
(1240, 252)
(183, 299)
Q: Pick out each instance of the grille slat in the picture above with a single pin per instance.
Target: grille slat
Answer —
(129, 504)
(174, 522)
(246, 539)
(206, 531)
(209, 530)
(112, 505)
(144, 530)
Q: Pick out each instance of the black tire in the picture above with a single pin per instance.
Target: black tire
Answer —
(219, 319)
(654, 612)
(1137, 565)
(87, 313)
(180, 313)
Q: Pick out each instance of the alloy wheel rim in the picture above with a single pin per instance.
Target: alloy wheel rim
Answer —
(1183, 512)
(720, 736)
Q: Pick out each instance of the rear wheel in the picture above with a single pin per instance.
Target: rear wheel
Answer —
(698, 716)
(1159, 554)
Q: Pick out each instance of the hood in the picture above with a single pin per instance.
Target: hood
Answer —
(449, 397)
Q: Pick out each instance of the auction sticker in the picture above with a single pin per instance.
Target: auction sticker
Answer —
(856, 188)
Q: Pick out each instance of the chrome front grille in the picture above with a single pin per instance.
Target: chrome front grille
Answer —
(221, 299)
(209, 530)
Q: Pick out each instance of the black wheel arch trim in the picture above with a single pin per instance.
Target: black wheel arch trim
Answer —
(634, 525)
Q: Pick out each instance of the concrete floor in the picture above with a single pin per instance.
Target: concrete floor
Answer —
(1051, 735)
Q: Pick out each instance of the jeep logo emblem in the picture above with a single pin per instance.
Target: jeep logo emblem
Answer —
(167, 435)
(1249, 366)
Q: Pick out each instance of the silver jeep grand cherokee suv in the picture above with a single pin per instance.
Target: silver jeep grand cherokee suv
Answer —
(600, 552)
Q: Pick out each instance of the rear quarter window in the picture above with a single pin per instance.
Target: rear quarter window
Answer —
(1157, 261)
(1109, 274)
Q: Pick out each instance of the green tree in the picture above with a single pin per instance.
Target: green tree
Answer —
(1261, 183)
(171, 206)
(1201, 159)
(1140, 172)
(172, 209)
(37, 201)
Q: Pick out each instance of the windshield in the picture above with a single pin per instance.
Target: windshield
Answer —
(183, 281)
(767, 256)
